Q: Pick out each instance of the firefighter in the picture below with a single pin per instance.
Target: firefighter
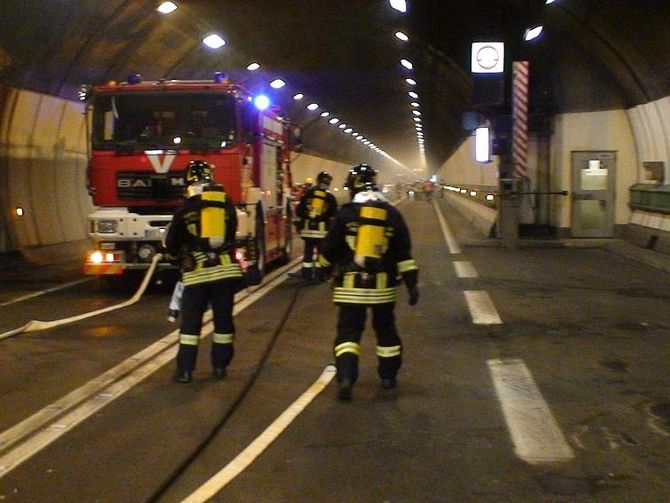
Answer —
(201, 238)
(315, 211)
(369, 249)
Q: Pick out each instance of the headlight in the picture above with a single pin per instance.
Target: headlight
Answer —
(106, 226)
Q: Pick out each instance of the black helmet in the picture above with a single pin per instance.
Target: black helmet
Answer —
(198, 171)
(198, 174)
(361, 177)
(324, 177)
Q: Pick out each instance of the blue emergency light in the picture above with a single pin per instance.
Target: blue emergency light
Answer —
(261, 102)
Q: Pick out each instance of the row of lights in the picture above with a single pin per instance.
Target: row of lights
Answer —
(472, 193)
(534, 31)
(215, 41)
(401, 6)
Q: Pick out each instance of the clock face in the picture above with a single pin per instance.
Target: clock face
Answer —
(488, 57)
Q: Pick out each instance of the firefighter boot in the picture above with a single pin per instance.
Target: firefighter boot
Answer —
(345, 389)
(183, 376)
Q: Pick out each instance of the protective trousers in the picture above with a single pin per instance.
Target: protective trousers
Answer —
(350, 326)
(220, 295)
(311, 268)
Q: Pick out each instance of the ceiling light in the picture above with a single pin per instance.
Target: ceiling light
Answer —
(532, 33)
(277, 84)
(417, 119)
(342, 126)
(214, 41)
(407, 64)
(348, 130)
(334, 120)
(312, 106)
(359, 137)
(167, 7)
(401, 36)
(399, 5)
(411, 82)
(298, 96)
(412, 94)
(549, 2)
(253, 67)
(416, 112)
(414, 104)
(325, 114)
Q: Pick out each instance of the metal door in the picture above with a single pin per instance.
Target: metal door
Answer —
(593, 193)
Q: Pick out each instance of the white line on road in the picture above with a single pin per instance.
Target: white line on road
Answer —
(46, 425)
(262, 442)
(465, 269)
(536, 435)
(42, 292)
(448, 236)
(481, 308)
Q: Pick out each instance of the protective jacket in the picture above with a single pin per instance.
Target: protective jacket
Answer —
(368, 280)
(315, 210)
(189, 240)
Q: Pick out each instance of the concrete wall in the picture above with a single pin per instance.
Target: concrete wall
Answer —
(606, 130)
(462, 169)
(42, 170)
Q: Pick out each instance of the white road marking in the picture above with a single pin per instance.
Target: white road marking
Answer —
(465, 269)
(262, 442)
(42, 292)
(536, 435)
(89, 398)
(481, 308)
(448, 236)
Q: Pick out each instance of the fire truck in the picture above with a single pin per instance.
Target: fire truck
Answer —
(142, 136)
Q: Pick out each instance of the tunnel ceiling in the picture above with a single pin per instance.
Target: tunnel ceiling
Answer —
(344, 56)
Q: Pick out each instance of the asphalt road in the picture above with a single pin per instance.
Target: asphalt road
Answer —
(538, 374)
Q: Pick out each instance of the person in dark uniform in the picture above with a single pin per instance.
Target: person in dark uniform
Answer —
(315, 210)
(201, 238)
(369, 248)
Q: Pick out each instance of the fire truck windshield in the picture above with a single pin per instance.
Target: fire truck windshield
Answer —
(172, 120)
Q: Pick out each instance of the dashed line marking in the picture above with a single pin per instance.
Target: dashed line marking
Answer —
(536, 435)
(481, 308)
(465, 269)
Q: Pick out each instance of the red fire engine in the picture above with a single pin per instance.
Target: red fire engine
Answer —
(142, 136)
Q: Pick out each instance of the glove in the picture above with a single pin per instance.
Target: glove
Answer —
(413, 295)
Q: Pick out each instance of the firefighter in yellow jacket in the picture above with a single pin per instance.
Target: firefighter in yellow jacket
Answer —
(201, 238)
(369, 248)
(315, 210)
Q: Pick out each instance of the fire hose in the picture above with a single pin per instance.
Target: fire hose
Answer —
(35, 325)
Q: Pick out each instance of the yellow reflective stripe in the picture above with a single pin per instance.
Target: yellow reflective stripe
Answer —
(347, 347)
(373, 212)
(348, 280)
(382, 280)
(308, 265)
(323, 261)
(314, 233)
(223, 338)
(388, 352)
(212, 274)
(189, 340)
(364, 295)
(225, 259)
(407, 265)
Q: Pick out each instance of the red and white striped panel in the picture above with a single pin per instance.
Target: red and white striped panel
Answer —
(520, 118)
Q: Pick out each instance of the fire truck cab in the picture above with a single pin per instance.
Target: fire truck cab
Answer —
(142, 136)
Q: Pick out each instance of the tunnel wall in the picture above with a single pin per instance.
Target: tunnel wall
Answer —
(42, 170)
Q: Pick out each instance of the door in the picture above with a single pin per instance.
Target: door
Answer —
(593, 193)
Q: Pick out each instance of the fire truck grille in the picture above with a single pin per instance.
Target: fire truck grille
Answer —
(139, 185)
